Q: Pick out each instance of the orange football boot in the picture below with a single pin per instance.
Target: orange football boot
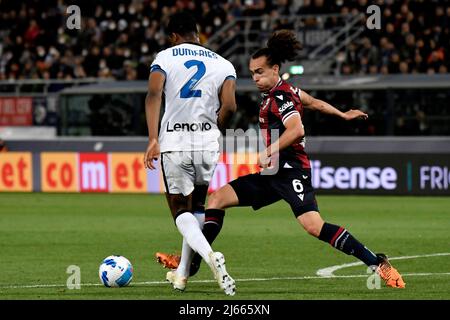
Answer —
(388, 273)
(170, 261)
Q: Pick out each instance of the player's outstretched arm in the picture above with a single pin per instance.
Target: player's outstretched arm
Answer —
(227, 104)
(311, 103)
(152, 111)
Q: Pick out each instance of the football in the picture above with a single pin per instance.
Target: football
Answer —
(115, 271)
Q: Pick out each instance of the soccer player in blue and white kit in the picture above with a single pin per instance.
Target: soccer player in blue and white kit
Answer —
(198, 86)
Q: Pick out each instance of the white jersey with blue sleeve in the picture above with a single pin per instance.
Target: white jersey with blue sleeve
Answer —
(193, 79)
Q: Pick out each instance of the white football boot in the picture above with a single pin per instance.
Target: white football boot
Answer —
(217, 265)
(178, 282)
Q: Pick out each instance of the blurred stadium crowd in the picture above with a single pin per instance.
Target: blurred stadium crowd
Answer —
(414, 38)
(120, 41)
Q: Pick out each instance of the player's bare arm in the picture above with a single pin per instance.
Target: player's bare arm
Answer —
(311, 103)
(227, 104)
(152, 111)
(293, 133)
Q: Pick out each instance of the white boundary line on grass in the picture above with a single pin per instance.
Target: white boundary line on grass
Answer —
(325, 273)
(328, 272)
(145, 283)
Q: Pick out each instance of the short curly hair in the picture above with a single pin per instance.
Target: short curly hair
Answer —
(182, 23)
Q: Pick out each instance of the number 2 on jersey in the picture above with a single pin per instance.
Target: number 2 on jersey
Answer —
(186, 90)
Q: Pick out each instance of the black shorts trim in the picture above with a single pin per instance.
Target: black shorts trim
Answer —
(164, 173)
(307, 208)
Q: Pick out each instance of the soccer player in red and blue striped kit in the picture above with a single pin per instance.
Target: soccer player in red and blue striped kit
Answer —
(282, 109)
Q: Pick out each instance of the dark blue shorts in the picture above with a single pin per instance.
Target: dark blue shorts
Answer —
(292, 185)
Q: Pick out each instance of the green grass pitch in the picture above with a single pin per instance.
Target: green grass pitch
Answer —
(267, 252)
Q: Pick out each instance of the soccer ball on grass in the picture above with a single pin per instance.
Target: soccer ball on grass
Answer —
(115, 271)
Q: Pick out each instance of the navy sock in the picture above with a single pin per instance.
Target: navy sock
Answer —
(213, 223)
(342, 240)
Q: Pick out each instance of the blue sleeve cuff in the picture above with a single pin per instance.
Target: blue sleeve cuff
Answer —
(157, 68)
(230, 78)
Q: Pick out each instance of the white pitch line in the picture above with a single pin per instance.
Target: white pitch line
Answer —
(321, 274)
(328, 272)
(211, 281)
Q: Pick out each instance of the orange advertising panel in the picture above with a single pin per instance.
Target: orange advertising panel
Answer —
(16, 172)
(127, 172)
(244, 163)
(59, 172)
(232, 166)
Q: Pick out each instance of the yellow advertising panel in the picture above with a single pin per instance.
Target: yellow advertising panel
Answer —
(59, 172)
(127, 172)
(16, 171)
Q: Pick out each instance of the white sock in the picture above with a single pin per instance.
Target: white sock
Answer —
(189, 228)
(185, 262)
(200, 215)
(186, 252)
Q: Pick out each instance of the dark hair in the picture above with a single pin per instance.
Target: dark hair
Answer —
(182, 23)
(281, 46)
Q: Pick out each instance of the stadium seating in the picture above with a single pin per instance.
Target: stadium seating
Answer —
(120, 41)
